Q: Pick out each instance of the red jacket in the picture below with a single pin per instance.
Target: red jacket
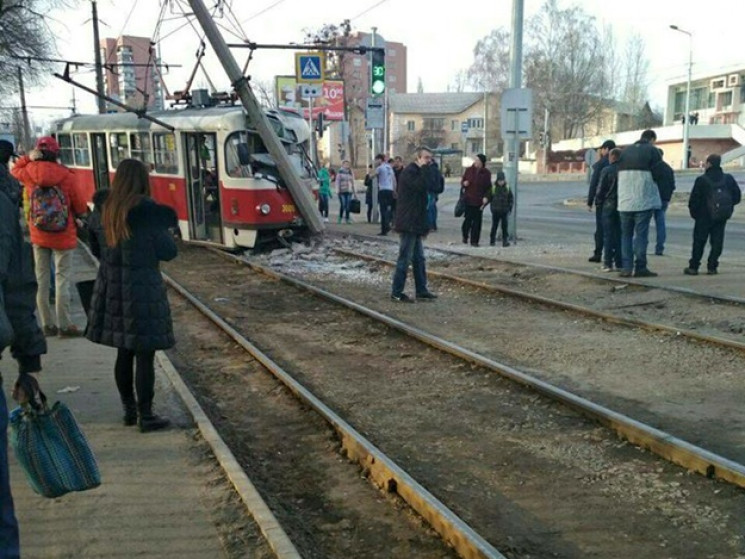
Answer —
(479, 185)
(47, 173)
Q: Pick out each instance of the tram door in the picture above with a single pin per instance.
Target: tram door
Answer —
(100, 161)
(205, 220)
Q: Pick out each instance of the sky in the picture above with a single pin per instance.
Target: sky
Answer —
(440, 41)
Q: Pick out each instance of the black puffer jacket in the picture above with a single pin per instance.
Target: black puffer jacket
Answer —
(129, 307)
(411, 206)
(18, 326)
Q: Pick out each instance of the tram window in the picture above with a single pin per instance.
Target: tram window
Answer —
(164, 149)
(82, 153)
(238, 149)
(65, 149)
(119, 148)
(140, 147)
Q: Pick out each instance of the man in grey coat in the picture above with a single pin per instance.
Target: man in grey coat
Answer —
(638, 198)
(18, 329)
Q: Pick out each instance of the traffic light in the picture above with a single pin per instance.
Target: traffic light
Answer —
(377, 72)
(319, 125)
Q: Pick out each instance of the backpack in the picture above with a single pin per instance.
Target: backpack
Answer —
(719, 201)
(48, 209)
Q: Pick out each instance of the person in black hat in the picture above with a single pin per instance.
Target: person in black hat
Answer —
(597, 168)
(501, 207)
(8, 183)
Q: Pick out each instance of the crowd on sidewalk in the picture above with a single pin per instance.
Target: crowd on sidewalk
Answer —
(631, 187)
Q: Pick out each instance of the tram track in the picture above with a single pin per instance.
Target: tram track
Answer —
(525, 541)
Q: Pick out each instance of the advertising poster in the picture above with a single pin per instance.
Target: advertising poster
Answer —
(331, 102)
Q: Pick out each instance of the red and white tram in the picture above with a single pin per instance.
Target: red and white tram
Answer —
(213, 168)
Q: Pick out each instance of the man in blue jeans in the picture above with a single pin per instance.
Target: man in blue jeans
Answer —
(638, 198)
(18, 329)
(412, 224)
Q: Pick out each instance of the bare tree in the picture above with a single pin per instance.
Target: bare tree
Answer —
(420, 85)
(264, 90)
(459, 83)
(635, 71)
(491, 62)
(24, 34)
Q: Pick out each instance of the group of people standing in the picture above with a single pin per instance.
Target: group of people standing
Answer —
(130, 233)
(630, 187)
(477, 192)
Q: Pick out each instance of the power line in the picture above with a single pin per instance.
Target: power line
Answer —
(263, 11)
(371, 8)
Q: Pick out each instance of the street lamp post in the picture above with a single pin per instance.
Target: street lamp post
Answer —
(687, 117)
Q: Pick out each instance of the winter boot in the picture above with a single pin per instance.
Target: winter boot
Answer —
(148, 421)
(130, 412)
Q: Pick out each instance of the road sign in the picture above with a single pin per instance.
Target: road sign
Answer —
(374, 114)
(517, 113)
(464, 127)
(310, 91)
(309, 67)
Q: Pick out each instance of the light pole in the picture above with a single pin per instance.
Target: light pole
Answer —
(687, 117)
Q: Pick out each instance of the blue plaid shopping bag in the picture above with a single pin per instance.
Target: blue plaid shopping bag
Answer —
(52, 449)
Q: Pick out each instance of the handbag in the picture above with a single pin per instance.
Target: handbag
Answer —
(460, 207)
(354, 206)
(52, 450)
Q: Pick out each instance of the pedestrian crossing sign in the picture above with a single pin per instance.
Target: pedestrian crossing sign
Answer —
(309, 67)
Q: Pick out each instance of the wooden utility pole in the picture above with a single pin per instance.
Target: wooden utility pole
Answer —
(99, 64)
(302, 197)
(24, 113)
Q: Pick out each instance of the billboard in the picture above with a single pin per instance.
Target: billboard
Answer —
(330, 103)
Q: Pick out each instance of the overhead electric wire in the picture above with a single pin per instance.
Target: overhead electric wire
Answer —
(371, 8)
(263, 11)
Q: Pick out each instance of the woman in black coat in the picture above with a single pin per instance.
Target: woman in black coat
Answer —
(129, 308)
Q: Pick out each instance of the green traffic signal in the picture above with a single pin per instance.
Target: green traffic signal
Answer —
(377, 72)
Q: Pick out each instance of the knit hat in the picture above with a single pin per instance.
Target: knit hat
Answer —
(6, 151)
(482, 157)
(500, 176)
(47, 143)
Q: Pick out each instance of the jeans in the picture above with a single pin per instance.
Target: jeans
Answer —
(612, 239)
(385, 200)
(344, 198)
(599, 235)
(432, 212)
(634, 239)
(410, 250)
(472, 224)
(704, 230)
(496, 218)
(63, 272)
(323, 204)
(659, 225)
(10, 546)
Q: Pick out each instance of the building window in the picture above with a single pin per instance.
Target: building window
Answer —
(433, 123)
(119, 148)
(81, 151)
(391, 79)
(475, 146)
(742, 95)
(357, 62)
(140, 147)
(727, 99)
(410, 125)
(475, 123)
(455, 145)
(713, 99)
(391, 52)
(65, 149)
(164, 150)
(453, 125)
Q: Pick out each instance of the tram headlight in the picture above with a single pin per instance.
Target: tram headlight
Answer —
(264, 209)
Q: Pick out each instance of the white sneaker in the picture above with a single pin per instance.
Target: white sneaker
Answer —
(325, 220)
(606, 269)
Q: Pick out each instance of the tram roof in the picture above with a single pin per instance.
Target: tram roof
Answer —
(208, 118)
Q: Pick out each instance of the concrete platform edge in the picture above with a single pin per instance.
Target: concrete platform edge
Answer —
(270, 527)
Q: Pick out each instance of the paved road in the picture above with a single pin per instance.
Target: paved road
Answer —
(544, 218)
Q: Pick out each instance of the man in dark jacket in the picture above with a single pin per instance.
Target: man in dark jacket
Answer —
(597, 168)
(436, 186)
(665, 177)
(501, 205)
(713, 198)
(412, 224)
(607, 199)
(18, 329)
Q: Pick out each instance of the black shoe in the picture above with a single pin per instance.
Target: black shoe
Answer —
(465, 241)
(492, 243)
(401, 298)
(476, 245)
(645, 273)
(594, 258)
(381, 234)
(690, 271)
(50, 330)
(505, 244)
(426, 295)
(658, 253)
(624, 274)
(130, 413)
(148, 421)
(712, 271)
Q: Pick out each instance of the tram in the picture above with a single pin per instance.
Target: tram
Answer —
(213, 168)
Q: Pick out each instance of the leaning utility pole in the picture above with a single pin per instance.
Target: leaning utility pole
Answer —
(516, 78)
(99, 64)
(302, 197)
